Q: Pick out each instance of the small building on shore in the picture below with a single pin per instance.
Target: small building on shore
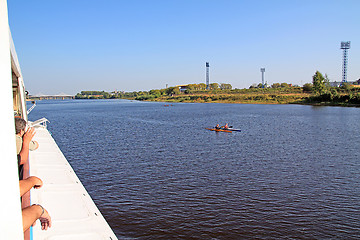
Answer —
(338, 84)
(335, 84)
(182, 88)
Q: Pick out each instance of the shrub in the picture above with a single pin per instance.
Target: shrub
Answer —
(307, 87)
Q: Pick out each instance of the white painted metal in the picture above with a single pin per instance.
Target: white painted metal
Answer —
(262, 70)
(31, 108)
(10, 221)
(74, 214)
(40, 122)
(22, 98)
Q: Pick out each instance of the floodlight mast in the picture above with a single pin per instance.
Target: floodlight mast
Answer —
(207, 76)
(262, 70)
(345, 46)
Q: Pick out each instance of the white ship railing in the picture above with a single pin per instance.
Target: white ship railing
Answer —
(41, 122)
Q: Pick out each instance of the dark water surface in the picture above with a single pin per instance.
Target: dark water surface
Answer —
(156, 173)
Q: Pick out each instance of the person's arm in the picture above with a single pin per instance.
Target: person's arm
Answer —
(33, 213)
(27, 184)
(24, 153)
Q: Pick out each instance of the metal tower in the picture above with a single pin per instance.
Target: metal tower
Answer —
(207, 76)
(262, 70)
(345, 46)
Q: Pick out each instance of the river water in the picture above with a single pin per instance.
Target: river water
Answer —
(156, 173)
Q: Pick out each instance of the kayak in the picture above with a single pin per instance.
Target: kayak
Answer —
(218, 130)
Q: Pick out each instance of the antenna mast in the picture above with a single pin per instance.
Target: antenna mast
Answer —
(207, 76)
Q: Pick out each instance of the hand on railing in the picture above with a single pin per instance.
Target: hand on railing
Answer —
(45, 220)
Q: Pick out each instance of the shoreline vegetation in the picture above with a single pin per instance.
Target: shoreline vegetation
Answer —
(319, 93)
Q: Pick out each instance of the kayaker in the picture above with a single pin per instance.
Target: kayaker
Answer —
(226, 126)
(217, 126)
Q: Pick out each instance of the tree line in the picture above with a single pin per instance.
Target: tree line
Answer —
(152, 94)
(92, 95)
(212, 86)
(318, 91)
(324, 92)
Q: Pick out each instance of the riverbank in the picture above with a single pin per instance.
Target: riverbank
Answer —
(292, 95)
(303, 99)
(233, 98)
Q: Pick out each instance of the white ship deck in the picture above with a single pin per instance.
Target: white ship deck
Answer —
(73, 212)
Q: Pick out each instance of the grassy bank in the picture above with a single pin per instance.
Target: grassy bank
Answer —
(293, 95)
(258, 98)
(345, 100)
(336, 96)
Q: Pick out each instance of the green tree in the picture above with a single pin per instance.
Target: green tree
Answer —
(214, 86)
(334, 94)
(196, 87)
(276, 85)
(163, 91)
(106, 95)
(346, 86)
(319, 83)
(202, 86)
(327, 81)
(172, 91)
(307, 87)
(224, 86)
(192, 87)
(156, 93)
(284, 85)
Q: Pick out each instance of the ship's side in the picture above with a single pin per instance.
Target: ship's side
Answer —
(10, 222)
(73, 212)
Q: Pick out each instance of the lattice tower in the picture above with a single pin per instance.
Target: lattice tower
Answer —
(345, 46)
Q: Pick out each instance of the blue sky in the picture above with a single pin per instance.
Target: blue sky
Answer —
(73, 45)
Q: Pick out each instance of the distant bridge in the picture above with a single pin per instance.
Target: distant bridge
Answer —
(47, 97)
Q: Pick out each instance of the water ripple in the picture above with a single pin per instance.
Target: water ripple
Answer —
(156, 173)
